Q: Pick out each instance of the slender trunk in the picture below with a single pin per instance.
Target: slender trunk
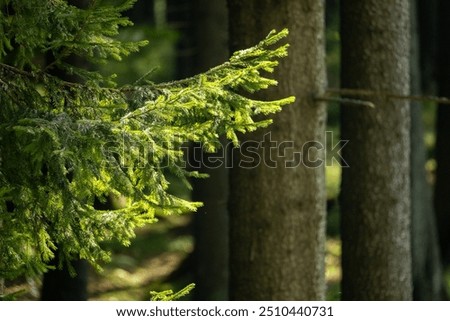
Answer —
(442, 187)
(211, 220)
(375, 191)
(277, 209)
(179, 16)
(143, 12)
(59, 285)
(428, 30)
(427, 268)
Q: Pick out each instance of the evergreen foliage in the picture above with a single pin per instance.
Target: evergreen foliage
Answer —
(168, 295)
(65, 144)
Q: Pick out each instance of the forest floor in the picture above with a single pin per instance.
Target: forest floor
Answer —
(158, 260)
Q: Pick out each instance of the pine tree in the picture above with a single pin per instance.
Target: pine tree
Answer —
(64, 145)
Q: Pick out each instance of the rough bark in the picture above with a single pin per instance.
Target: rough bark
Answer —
(375, 191)
(442, 187)
(277, 215)
(211, 220)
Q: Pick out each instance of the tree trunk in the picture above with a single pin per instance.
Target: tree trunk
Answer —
(375, 191)
(211, 220)
(59, 285)
(277, 209)
(427, 268)
(203, 27)
(143, 12)
(442, 187)
(427, 13)
(211, 228)
(179, 16)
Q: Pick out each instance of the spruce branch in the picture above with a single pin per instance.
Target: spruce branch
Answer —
(63, 144)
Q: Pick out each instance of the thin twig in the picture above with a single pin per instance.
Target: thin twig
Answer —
(374, 93)
(16, 70)
(348, 101)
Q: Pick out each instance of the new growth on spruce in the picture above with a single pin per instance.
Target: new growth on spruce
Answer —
(65, 144)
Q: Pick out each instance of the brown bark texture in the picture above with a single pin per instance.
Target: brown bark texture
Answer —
(375, 190)
(278, 206)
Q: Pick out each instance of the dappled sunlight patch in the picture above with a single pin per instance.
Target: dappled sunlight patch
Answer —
(157, 252)
(333, 268)
(118, 280)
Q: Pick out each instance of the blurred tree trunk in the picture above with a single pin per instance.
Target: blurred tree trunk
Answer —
(427, 269)
(277, 214)
(143, 12)
(203, 29)
(427, 25)
(59, 285)
(332, 10)
(442, 187)
(375, 191)
(211, 220)
(180, 17)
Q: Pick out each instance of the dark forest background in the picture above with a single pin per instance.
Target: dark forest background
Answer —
(188, 37)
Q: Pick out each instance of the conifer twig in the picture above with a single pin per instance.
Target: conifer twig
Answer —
(375, 93)
(348, 101)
